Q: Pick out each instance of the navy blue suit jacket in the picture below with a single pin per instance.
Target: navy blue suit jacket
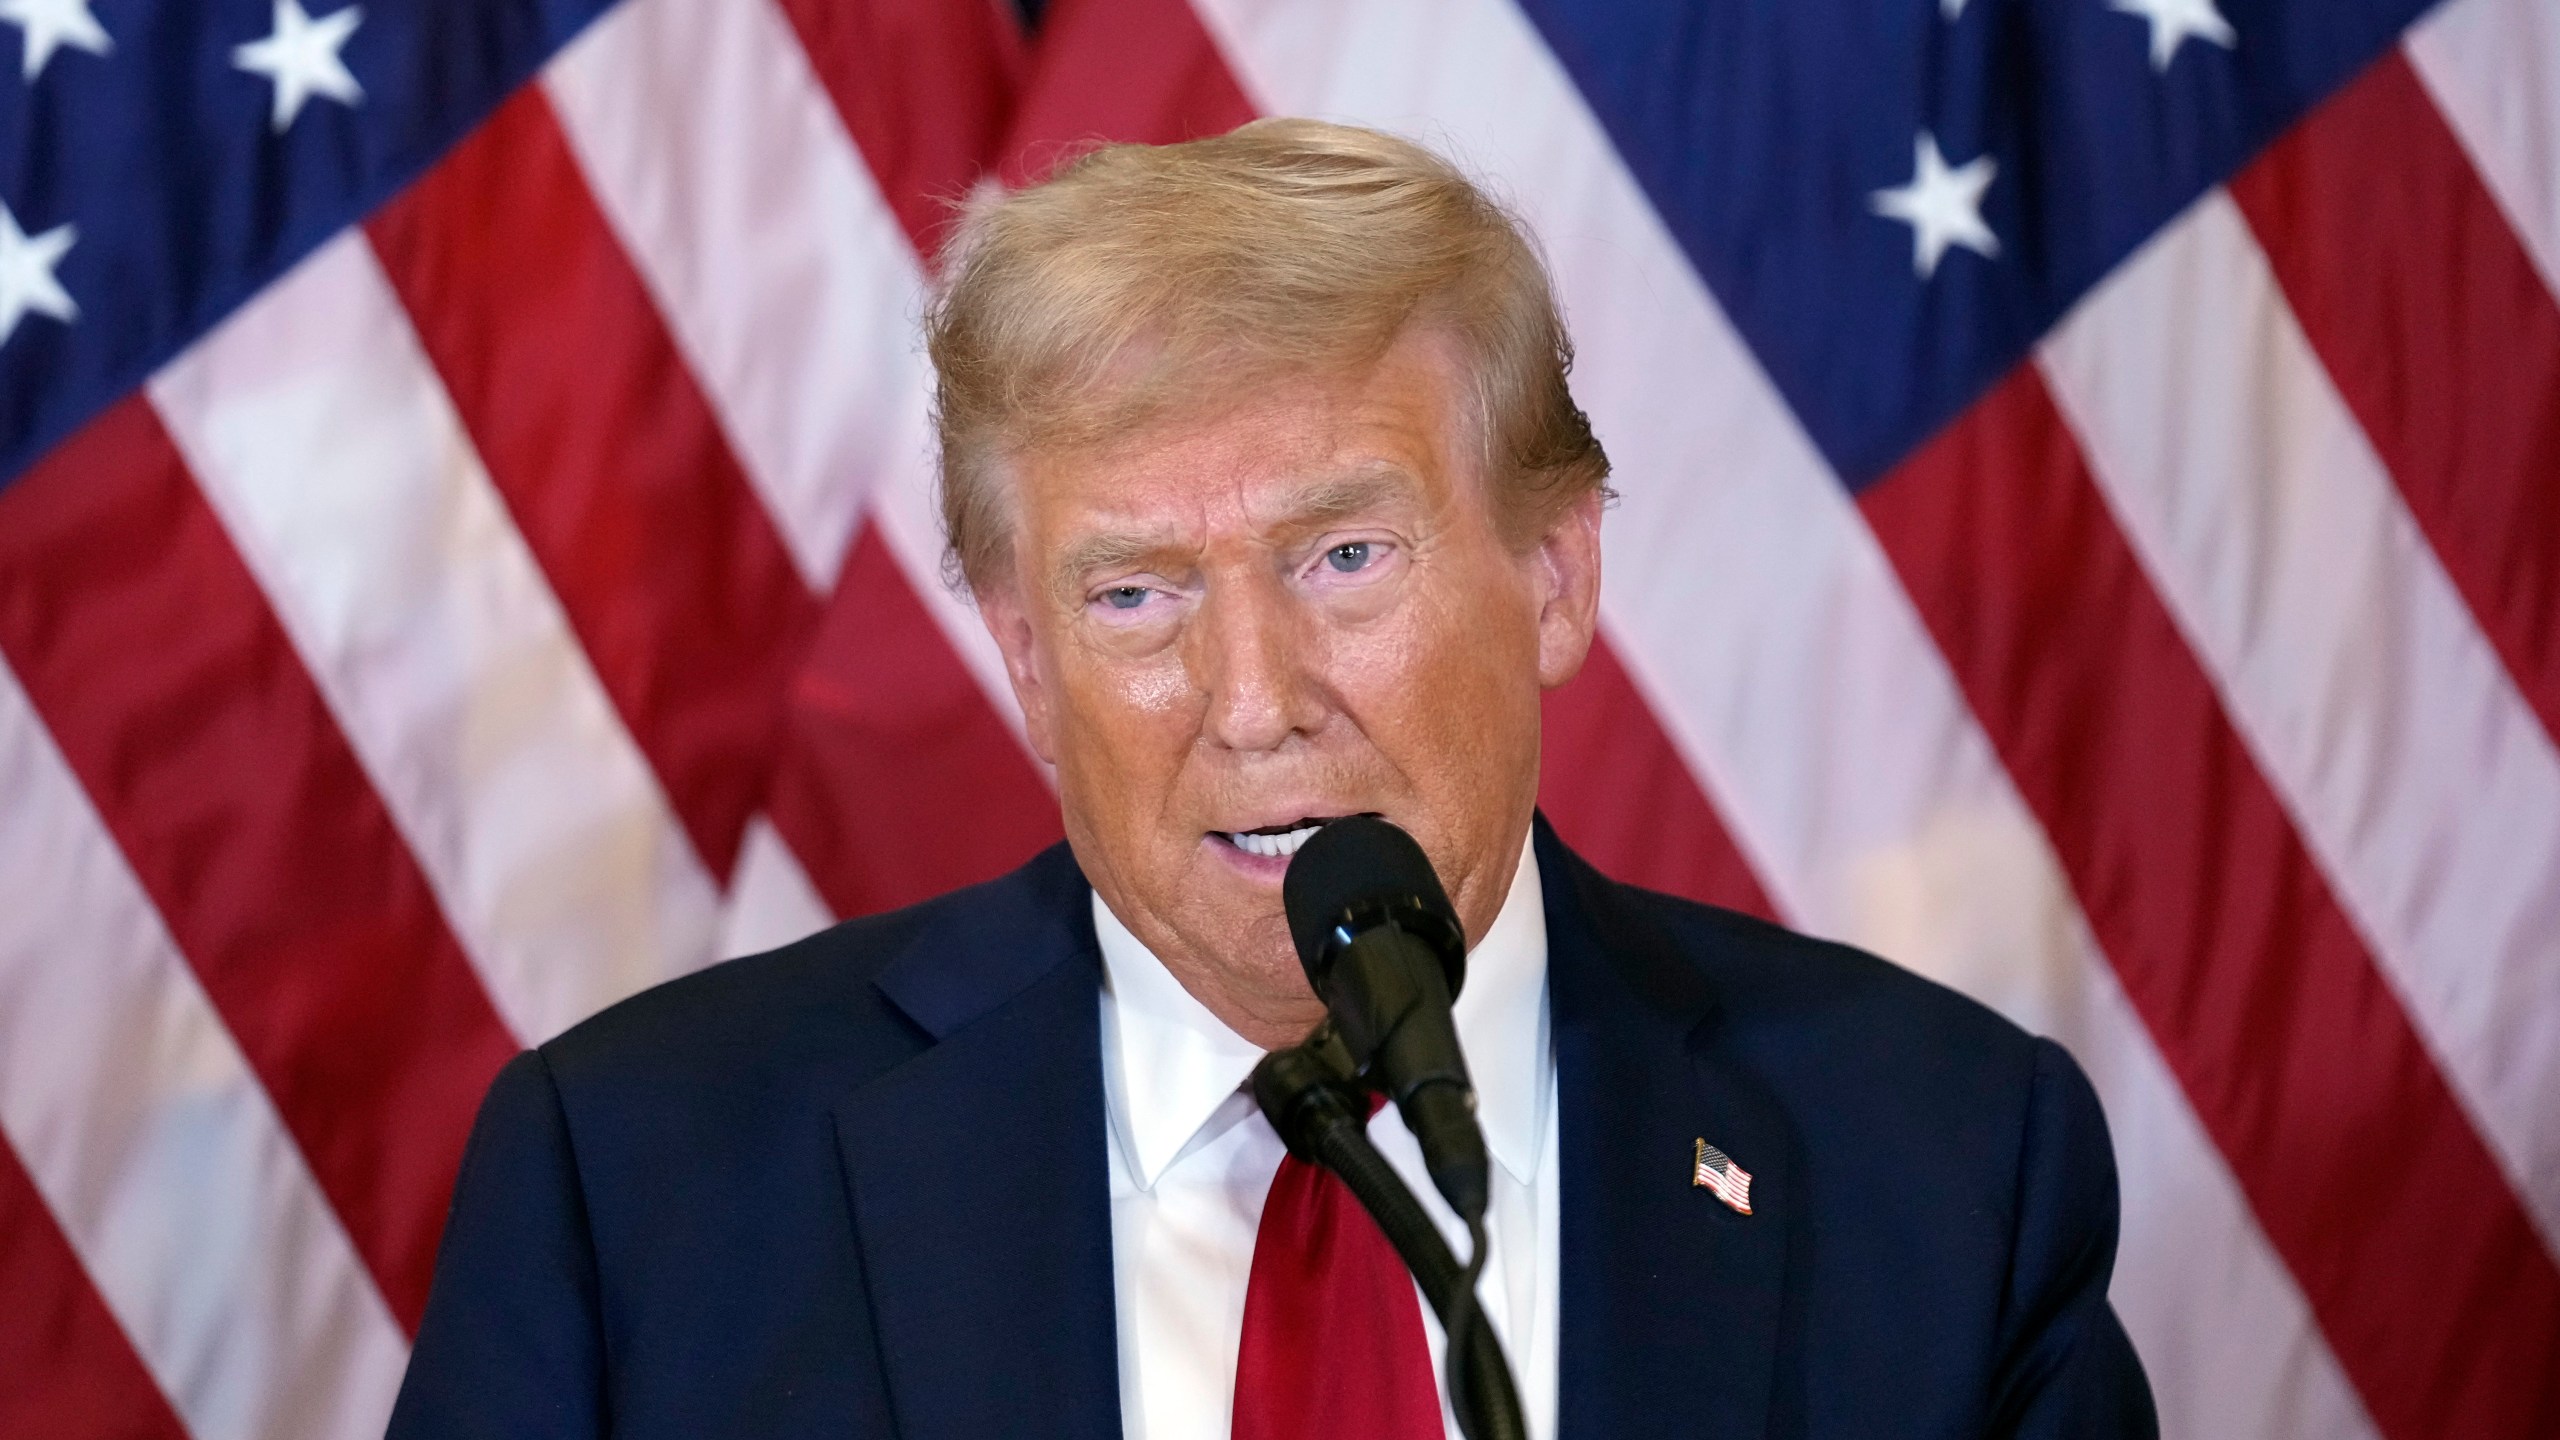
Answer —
(857, 1187)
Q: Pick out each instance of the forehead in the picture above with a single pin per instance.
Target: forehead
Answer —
(1280, 453)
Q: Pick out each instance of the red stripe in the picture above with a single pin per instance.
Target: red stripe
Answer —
(898, 782)
(71, 1374)
(1618, 792)
(150, 653)
(1143, 71)
(2425, 1273)
(926, 87)
(592, 428)
(2442, 338)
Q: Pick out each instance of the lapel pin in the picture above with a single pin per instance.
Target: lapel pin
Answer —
(1716, 1171)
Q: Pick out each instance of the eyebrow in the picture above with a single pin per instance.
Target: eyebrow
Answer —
(1337, 497)
(1103, 552)
(1312, 506)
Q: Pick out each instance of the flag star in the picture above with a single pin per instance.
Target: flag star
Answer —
(26, 274)
(1951, 9)
(301, 57)
(2173, 21)
(48, 25)
(1942, 206)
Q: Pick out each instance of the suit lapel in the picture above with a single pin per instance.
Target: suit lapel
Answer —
(1672, 1303)
(978, 1178)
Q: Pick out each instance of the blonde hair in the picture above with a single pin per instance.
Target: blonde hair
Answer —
(1142, 282)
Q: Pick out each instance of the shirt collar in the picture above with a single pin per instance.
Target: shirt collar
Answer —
(1173, 1067)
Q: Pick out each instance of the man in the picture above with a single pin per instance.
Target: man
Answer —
(1259, 459)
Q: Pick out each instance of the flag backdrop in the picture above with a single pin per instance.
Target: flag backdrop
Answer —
(2091, 533)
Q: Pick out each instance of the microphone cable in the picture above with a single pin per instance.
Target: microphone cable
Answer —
(1464, 1317)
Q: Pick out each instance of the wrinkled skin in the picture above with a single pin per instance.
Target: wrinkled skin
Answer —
(1298, 607)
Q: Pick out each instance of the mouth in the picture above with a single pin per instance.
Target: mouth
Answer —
(1276, 842)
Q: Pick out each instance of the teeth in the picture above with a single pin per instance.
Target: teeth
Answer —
(1275, 846)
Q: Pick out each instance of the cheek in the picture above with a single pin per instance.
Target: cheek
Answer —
(1447, 679)
(1158, 694)
(1122, 726)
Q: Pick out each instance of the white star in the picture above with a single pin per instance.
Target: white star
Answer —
(1943, 207)
(2172, 21)
(26, 274)
(1951, 9)
(301, 57)
(51, 24)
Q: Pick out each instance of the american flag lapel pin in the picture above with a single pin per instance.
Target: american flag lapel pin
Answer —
(1716, 1171)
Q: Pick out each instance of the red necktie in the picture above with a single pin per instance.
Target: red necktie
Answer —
(1333, 1344)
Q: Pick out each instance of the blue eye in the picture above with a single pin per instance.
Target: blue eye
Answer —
(1347, 558)
(1125, 597)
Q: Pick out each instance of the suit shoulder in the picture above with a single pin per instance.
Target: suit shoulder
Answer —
(736, 999)
(1791, 995)
(1759, 962)
(813, 1002)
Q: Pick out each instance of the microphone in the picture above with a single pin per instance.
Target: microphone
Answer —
(1384, 951)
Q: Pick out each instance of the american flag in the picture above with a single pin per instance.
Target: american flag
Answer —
(1716, 1171)
(2091, 532)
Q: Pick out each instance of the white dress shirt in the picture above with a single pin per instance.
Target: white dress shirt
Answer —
(1192, 1160)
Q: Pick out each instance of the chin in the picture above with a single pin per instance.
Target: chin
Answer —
(1250, 940)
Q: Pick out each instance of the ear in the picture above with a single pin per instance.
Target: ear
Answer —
(1008, 620)
(1567, 573)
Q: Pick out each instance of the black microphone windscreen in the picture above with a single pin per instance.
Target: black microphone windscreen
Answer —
(1358, 859)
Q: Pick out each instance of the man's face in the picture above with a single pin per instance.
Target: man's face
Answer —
(1300, 609)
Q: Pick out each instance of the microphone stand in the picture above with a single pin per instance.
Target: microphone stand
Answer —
(1313, 1100)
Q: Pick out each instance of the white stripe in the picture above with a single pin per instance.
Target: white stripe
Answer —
(325, 441)
(2493, 67)
(154, 1145)
(1764, 625)
(771, 902)
(2415, 773)
(782, 272)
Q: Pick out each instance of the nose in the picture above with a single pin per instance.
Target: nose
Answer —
(1252, 658)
